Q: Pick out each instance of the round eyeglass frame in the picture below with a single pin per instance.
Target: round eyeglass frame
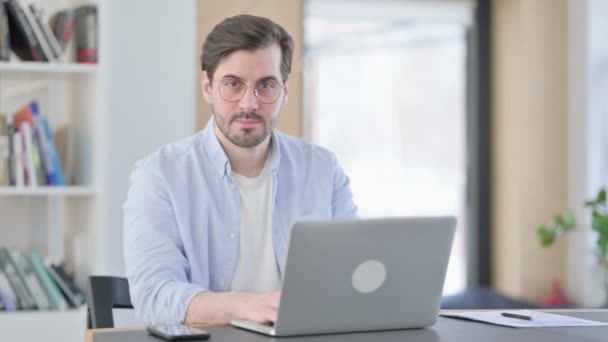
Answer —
(255, 93)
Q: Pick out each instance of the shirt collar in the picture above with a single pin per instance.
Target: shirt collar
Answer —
(218, 157)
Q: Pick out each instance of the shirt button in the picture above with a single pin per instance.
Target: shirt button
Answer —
(232, 235)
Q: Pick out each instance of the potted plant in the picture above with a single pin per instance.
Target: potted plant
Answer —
(565, 222)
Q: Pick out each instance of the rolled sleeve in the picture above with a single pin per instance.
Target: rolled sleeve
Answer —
(156, 266)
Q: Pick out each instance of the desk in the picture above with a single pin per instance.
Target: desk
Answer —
(445, 330)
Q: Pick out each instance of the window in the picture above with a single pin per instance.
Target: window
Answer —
(385, 89)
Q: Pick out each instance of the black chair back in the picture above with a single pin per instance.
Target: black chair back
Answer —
(105, 294)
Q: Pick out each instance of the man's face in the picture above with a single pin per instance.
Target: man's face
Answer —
(248, 120)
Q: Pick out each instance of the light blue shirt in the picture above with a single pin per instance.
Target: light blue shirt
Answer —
(182, 216)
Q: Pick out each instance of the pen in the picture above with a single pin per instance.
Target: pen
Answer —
(512, 315)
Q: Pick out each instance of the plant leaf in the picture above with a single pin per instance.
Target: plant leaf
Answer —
(559, 220)
(569, 220)
(601, 197)
(547, 236)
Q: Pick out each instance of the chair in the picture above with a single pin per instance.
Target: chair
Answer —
(105, 294)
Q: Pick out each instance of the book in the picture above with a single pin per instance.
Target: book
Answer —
(5, 42)
(46, 31)
(11, 154)
(7, 295)
(47, 53)
(65, 141)
(74, 295)
(54, 155)
(18, 167)
(5, 175)
(23, 41)
(43, 144)
(31, 280)
(57, 299)
(34, 168)
(31, 177)
(24, 297)
(62, 25)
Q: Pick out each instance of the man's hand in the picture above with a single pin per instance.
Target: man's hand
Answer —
(257, 307)
(222, 307)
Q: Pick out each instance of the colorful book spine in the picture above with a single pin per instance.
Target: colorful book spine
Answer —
(11, 153)
(66, 284)
(53, 290)
(24, 297)
(43, 145)
(31, 179)
(28, 274)
(7, 295)
(54, 156)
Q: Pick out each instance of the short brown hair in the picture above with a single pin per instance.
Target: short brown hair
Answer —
(245, 32)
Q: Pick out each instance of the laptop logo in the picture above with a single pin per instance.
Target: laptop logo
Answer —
(369, 276)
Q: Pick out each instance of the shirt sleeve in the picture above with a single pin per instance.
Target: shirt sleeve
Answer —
(156, 266)
(343, 206)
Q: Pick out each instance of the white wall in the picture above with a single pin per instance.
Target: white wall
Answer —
(149, 75)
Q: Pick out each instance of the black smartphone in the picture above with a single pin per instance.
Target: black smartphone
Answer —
(178, 332)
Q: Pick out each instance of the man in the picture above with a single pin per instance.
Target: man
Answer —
(207, 219)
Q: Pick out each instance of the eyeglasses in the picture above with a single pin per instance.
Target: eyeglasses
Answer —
(266, 91)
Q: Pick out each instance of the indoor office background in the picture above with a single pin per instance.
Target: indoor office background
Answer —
(495, 111)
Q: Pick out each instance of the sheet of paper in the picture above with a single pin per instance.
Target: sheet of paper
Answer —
(539, 319)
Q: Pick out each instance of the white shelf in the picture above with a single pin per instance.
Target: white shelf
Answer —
(48, 67)
(66, 325)
(48, 191)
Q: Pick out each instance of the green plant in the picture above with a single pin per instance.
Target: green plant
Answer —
(565, 222)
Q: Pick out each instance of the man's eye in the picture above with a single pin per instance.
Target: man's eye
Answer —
(266, 85)
(232, 84)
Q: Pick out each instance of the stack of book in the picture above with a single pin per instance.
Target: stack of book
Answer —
(25, 31)
(28, 153)
(30, 36)
(29, 283)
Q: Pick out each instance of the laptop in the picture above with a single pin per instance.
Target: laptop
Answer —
(362, 275)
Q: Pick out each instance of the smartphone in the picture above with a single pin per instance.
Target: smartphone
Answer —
(178, 332)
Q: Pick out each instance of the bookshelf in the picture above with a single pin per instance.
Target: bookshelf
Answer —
(48, 191)
(140, 95)
(51, 68)
(59, 222)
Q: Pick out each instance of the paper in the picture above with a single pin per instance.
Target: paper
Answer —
(539, 319)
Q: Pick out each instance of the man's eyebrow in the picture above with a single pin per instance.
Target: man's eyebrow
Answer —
(268, 78)
(232, 76)
(265, 78)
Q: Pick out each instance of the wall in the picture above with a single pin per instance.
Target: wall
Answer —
(529, 142)
(149, 53)
(288, 13)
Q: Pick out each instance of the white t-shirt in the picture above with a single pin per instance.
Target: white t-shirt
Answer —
(256, 266)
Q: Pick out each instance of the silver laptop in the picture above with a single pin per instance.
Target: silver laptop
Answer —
(363, 275)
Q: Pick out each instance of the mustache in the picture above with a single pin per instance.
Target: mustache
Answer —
(246, 115)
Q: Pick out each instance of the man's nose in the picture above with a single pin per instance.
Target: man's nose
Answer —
(249, 102)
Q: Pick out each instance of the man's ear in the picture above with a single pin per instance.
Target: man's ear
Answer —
(286, 90)
(206, 85)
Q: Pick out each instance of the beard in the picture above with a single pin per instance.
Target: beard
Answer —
(245, 137)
